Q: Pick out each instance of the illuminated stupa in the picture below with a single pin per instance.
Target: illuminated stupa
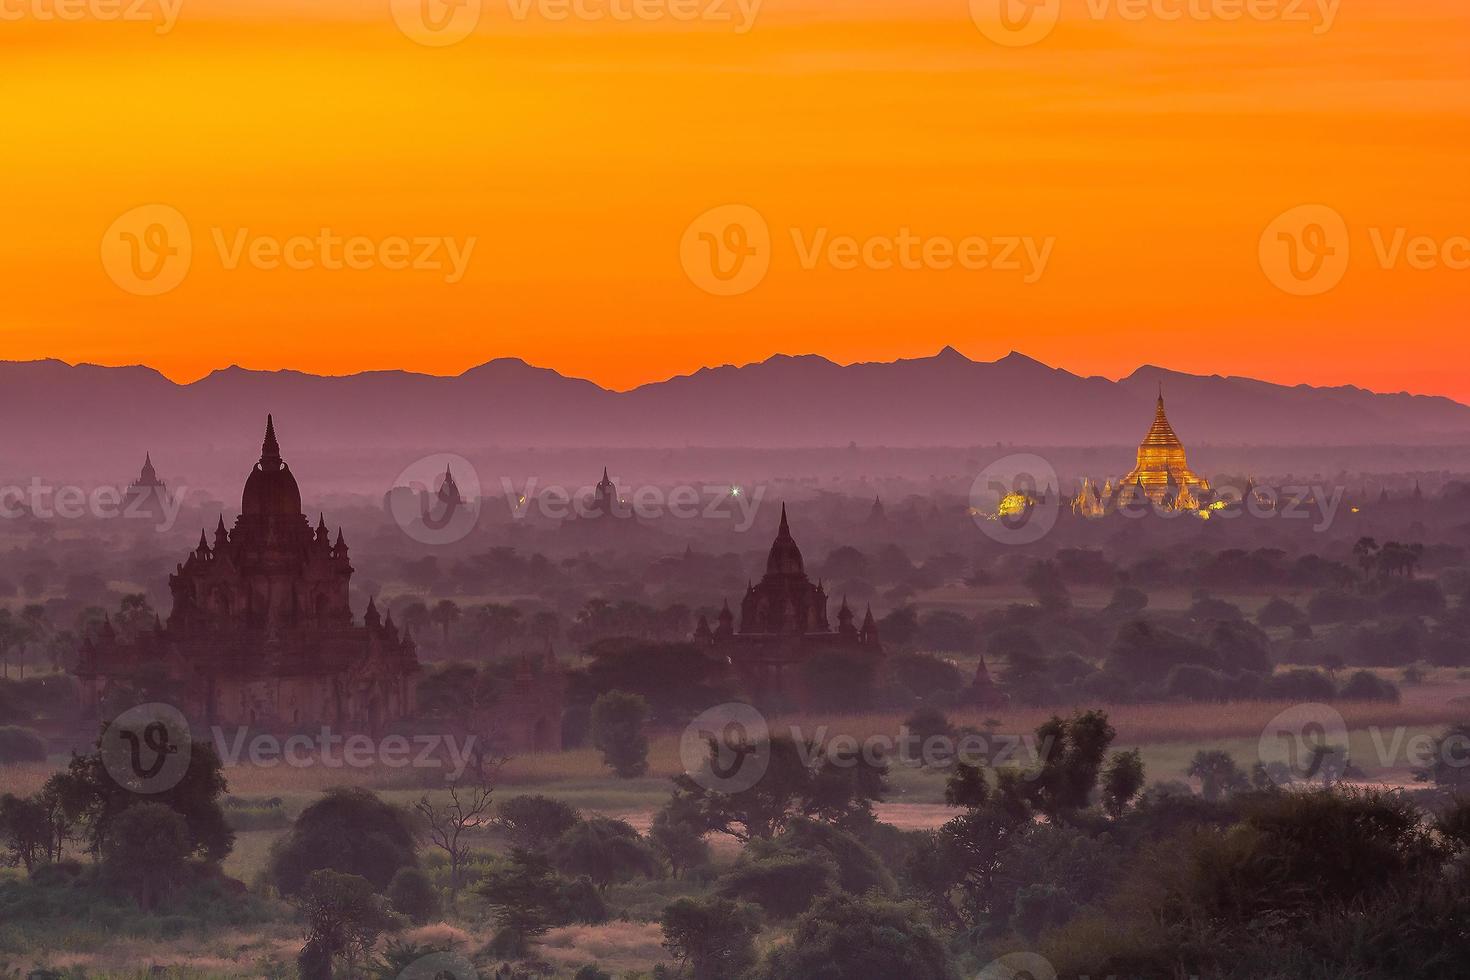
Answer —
(1162, 474)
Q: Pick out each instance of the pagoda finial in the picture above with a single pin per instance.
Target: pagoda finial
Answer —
(785, 527)
(269, 448)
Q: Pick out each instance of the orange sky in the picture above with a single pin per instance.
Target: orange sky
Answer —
(1151, 153)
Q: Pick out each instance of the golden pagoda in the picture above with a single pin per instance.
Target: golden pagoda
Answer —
(1162, 474)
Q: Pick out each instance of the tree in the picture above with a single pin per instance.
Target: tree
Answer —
(617, 732)
(344, 916)
(534, 822)
(931, 735)
(448, 820)
(24, 830)
(783, 883)
(602, 849)
(1121, 781)
(1218, 774)
(349, 831)
(144, 855)
(1071, 758)
(678, 840)
(445, 614)
(412, 894)
(714, 938)
(524, 895)
(799, 780)
(847, 938)
(94, 793)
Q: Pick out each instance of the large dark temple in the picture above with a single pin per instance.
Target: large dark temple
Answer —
(261, 632)
(783, 621)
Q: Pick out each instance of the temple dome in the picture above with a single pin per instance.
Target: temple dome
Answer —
(271, 489)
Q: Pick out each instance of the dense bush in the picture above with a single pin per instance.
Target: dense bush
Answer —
(411, 894)
(350, 831)
(21, 745)
(1365, 686)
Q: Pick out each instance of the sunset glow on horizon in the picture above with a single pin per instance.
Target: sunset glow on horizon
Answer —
(543, 175)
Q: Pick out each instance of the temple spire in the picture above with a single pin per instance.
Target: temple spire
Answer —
(269, 448)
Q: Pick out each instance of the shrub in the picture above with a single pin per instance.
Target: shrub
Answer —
(783, 884)
(847, 938)
(1298, 685)
(413, 895)
(144, 855)
(1279, 612)
(21, 745)
(350, 831)
(534, 822)
(604, 850)
(1365, 686)
(713, 937)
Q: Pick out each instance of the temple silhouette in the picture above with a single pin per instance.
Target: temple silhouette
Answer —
(783, 622)
(261, 632)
